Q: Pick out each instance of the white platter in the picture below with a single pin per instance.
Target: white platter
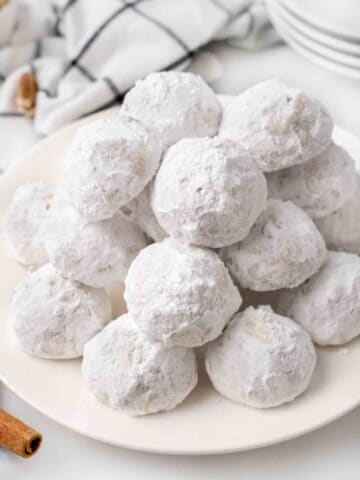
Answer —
(334, 17)
(326, 57)
(205, 423)
(320, 36)
(344, 58)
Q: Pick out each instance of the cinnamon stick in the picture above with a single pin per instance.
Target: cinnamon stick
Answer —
(18, 437)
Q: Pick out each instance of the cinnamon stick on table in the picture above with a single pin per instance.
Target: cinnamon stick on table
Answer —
(18, 437)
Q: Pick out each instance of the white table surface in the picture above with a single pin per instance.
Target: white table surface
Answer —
(330, 453)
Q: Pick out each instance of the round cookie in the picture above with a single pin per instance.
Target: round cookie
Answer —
(328, 305)
(282, 250)
(341, 229)
(263, 359)
(28, 210)
(54, 317)
(208, 192)
(96, 254)
(175, 105)
(110, 161)
(140, 211)
(279, 126)
(128, 372)
(179, 294)
(319, 186)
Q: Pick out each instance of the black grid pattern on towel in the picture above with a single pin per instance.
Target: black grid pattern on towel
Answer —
(222, 7)
(60, 13)
(11, 114)
(39, 88)
(98, 32)
(162, 27)
(251, 23)
(118, 96)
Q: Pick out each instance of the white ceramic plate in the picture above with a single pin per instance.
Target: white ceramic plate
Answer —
(314, 33)
(328, 52)
(205, 423)
(335, 17)
(311, 52)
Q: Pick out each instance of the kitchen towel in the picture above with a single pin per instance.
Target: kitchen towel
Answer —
(85, 54)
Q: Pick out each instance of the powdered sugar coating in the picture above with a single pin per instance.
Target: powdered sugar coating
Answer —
(139, 209)
(96, 254)
(341, 229)
(110, 162)
(28, 210)
(128, 372)
(54, 317)
(175, 105)
(319, 186)
(263, 359)
(179, 294)
(283, 249)
(278, 125)
(328, 305)
(208, 192)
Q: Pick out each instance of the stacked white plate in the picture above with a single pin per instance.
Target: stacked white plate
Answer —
(325, 31)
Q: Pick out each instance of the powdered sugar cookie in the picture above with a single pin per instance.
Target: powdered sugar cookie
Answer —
(174, 105)
(208, 192)
(328, 305)
(262, 360)
(278, 125)
(282, 250)
(128, 372)
(96, 254)
(54, 317)
(319, 186)
(341, 229)
(29, 208)
(179, 294)
(110, 161)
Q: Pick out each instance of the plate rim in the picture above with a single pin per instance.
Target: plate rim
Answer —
(184, 452)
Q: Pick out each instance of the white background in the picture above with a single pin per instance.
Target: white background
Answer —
(330, 453)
